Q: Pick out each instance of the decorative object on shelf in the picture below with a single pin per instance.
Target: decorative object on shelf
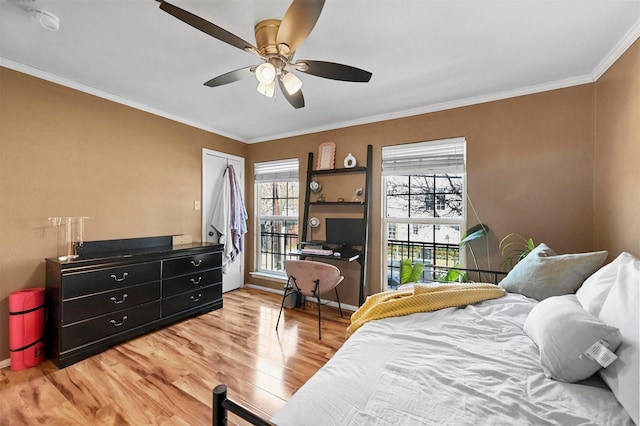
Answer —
(320, 198)
(314, 222)
(315, 186)
(350, 161)
(358, 194)
(326, 156)
(70, 235)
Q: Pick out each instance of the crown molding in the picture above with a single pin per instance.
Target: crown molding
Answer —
(44, 75)
(442, 106)
(618, 50)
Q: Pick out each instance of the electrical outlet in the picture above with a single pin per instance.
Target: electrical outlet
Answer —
(196, 204)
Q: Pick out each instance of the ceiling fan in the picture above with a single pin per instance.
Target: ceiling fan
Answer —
(277, 41)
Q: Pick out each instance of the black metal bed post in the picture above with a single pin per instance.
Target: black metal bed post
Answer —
(222, 405)
(219, 412)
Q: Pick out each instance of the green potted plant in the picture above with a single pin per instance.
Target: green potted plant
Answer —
(514, 247)
(410, 273)
(475, 232)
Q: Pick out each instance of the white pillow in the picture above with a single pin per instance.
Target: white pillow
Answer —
(595, 289)
(620, 310)
(563, 331)
(543, 273)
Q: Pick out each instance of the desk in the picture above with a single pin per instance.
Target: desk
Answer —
(348, 257)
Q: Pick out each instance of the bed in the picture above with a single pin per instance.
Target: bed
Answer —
(511, 360)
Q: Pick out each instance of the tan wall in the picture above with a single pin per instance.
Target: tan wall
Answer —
(617, 166)
(66, 153)
(529, 168)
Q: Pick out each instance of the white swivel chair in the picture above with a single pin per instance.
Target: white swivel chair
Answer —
(311, 278)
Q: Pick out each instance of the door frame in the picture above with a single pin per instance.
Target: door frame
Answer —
(204, 204)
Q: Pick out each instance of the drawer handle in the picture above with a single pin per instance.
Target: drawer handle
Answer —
(196, 264)
(115, 278)
(196, 282)
(116, 301)
(118, 324)
(196, 298)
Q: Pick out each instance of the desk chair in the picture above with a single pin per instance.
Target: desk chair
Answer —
(311, 278)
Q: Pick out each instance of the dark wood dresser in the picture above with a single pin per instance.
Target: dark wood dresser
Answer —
(120, 289)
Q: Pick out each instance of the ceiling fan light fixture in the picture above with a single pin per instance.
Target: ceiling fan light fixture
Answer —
(266, 73)
(267, 89)
(291, 82)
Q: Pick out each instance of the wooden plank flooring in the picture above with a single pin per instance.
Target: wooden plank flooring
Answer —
(166, 377)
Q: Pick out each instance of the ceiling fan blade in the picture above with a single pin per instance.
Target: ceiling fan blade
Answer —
(296, 100)
(207, 27)
(333, 71)
(298, 22)
(231, 76)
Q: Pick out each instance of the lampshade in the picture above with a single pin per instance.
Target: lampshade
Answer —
(291, 82)
(267, 89)
(266, 73)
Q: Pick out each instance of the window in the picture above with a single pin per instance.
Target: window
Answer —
(277, 193)
(424, 205)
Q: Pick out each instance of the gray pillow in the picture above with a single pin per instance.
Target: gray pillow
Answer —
(543, 273)
(563, 331)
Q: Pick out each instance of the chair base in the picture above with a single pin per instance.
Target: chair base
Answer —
(290, 291)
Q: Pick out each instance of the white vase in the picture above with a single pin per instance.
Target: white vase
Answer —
(350, 161)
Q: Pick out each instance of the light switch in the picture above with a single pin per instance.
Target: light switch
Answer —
(196, 204)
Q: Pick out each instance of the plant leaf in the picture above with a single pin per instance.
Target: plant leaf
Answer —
(416, 272)
(405, 271)
(475, 232)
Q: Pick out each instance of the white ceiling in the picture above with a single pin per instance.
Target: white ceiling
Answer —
(425, 55)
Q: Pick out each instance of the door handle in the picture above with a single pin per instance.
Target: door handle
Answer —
(211, 233)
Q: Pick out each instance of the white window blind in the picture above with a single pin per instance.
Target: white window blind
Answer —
(277, 171)
(425, 158)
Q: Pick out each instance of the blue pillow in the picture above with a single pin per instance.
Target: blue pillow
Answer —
(543, 273)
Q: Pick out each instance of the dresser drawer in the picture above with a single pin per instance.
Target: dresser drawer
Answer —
(95, 281)
(191, 264)
(192, 299)
(84, 332)
(182, 283)
(82, 308)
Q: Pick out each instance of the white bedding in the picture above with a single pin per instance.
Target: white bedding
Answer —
(456, 366)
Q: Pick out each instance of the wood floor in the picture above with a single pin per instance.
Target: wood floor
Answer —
(166, 377)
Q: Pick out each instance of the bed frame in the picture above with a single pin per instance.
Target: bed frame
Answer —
(222, 405)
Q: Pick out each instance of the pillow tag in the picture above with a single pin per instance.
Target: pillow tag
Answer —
(600, 353)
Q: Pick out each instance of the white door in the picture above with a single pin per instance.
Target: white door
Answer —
(214, 165)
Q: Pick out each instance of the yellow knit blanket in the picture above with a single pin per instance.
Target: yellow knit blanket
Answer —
(421, 298)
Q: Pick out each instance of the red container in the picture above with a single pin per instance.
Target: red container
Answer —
(26, 328)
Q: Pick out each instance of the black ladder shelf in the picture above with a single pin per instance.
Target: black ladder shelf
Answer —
(365, 203)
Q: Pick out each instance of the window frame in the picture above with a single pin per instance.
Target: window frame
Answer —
(397, 221)
(271, 173)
